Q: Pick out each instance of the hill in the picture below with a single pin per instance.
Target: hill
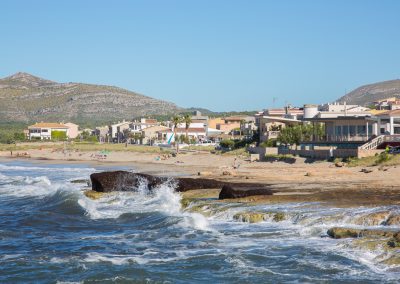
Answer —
(367, 94)
(27, 98)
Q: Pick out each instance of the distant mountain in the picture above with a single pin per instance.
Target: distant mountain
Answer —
(367, 94)
(27, 98)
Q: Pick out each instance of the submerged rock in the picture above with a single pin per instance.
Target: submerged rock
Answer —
(250, 217)
(256, 217)
(86, 181)
(373, 219)
(340, 233)
(93, 194)
(229, 192)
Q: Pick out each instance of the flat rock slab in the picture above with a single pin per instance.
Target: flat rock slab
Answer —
(229, 191)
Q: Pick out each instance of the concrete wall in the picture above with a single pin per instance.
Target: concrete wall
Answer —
(320, 154)
(368, 153)
(263, 151)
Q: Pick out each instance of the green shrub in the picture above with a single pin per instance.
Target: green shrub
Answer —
(227, 143)
(269, 143)
(58, 135)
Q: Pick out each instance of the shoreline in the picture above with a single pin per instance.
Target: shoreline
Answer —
(298, 182)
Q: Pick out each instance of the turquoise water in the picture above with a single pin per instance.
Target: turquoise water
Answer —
(50, 232)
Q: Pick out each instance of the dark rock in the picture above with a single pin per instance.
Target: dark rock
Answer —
(228, 191)
(127, 181)
(122, 181)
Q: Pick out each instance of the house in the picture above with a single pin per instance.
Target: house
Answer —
(196, 134)
(232, 123)
(346, 129)
(43, 130)
(272, 121)
(392, 103)
(198, 117)
(153, 134)
(102, 133)
(287, 112)
(116, 131)
(271, 126)
(213, 122)
(387, 123)
(73, 130)
(138, 126)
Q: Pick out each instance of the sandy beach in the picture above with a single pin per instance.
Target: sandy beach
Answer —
(300, 181)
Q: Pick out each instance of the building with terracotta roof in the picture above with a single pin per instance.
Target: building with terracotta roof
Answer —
(43, 130)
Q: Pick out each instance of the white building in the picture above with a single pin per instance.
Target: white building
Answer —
(117, 130)
(43, 130)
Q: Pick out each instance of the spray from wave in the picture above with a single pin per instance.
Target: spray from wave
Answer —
(162, 199)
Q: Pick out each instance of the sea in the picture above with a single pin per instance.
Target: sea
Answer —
(50, 232)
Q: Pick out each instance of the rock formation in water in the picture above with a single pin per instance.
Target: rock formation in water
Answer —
(128, 181)
(230, 191)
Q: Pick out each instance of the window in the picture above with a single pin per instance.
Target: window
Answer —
(338, 130)
(361, 130)
(345, 130)
(352, 130)
(45, 130)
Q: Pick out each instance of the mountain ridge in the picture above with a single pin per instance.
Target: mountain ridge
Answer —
(365, 95)
(28, 98)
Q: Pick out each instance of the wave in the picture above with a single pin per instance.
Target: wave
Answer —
(163, 200)
(46, 169)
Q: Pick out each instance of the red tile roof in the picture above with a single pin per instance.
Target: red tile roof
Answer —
(48, 125)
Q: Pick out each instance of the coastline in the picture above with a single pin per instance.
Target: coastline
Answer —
(320, 181)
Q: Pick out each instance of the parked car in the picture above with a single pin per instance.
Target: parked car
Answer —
(394, 150)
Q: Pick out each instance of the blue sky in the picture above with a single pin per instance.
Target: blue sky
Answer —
(221, 55)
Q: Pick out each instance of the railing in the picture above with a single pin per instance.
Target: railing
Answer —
(392, 138)
(340, 138)
(373, 144)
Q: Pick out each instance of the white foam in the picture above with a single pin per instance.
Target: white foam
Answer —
(114, 259)
(46, 169)
(162, 199)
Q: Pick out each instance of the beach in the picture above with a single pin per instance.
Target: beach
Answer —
(302, 180)
(322, 223)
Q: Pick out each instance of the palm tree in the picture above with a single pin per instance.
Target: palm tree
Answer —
(242, 123)
(187, 119)
(176, 120)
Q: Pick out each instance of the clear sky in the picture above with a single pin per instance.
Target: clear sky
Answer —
(221, 55)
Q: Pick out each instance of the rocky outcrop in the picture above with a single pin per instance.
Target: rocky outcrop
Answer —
(128, 181)
(340, 233)
(229, 191)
